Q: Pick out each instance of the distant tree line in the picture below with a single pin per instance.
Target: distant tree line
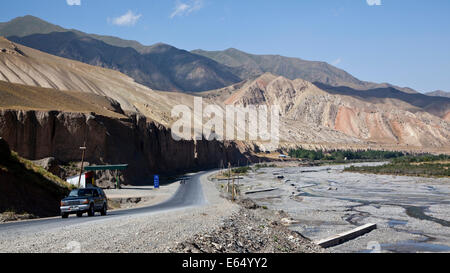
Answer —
(421, 158)
(342, 155)
(426, 169)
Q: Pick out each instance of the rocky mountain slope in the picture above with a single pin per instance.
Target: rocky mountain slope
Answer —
(311, 114)
(49, 106)
(160, 66)
(340, 115)
(27, 66)
(439, 93)
(23, 97)
(164, 67)
(29, 25)
(146, 146)
(24, 187)
(249, 65)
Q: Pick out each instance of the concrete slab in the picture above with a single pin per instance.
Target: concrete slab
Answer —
(346, 236)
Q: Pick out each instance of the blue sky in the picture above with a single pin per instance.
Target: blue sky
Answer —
(397, 41)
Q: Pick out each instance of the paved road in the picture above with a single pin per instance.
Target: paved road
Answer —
(187, 195)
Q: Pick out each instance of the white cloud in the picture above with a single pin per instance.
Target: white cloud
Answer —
(73, 2)
(128, 19)
(185, 8)
(374, 2)
(337, 61)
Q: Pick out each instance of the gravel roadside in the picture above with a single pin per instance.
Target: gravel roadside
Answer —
(221, 226)
(253, 229)
(147, 233)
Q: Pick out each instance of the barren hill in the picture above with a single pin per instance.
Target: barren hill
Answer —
(164, 67)
(160, 66)
(50, 105)
(306, 110)
(27, 66)
(23, 97)
(439, 93)
(17, 174)
(339, 116)
(28, 25)
(250, 65)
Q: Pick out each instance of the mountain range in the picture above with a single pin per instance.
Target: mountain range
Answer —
(439, 93)
(321, 105)
(164, 67)
(310, 113)
(249, 65)
(160, 67)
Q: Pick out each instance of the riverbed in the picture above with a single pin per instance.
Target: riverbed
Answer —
(412, 213)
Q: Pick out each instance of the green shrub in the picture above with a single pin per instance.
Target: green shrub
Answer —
(241, 170)
(341, 155)
(425, 168)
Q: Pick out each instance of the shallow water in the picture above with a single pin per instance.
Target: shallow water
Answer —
(393, 223)
(413, 247)
(412, 214)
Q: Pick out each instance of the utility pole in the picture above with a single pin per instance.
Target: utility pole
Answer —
(233, 193)
(82, 163)
(229, 176)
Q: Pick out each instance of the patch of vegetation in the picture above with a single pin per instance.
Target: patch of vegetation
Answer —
(241, 170)
(344, 155)
(422, 165)
(236, 171)
(264, 165)
(10, 215)
(15, 158)
(25, 170)
(24, 185)
(422, 158)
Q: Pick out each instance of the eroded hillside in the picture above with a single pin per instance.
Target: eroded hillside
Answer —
(339, 117)
(306, 109)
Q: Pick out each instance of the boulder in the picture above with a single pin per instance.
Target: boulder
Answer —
(52, 165)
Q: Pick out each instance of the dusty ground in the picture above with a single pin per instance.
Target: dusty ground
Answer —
(412, 214)
(252, 229)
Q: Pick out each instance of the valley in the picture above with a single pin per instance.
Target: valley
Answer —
(342, 152)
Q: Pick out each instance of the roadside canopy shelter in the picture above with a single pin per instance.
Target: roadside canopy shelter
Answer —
(115, 168)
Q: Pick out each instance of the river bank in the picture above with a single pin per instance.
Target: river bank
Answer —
(412, 213)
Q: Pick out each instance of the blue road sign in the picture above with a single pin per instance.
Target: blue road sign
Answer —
(156, 181)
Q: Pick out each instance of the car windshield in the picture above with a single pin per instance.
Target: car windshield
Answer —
(81, 193)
